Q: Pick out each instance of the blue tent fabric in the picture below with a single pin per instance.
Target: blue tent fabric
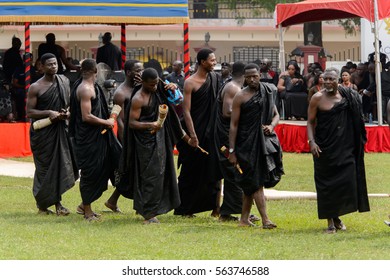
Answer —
(95, 11)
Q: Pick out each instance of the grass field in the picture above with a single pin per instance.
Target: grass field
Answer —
(25, 235)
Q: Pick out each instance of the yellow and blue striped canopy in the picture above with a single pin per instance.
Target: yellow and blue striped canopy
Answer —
(95, 11)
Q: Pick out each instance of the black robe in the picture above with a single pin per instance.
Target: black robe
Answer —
(147, 167)
(198, 184)
(296, 99)
(55, 168)
(339, 172)
(259, 155)
(97, 154)
(232, 193)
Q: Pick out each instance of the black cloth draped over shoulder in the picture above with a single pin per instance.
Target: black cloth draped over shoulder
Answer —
(232, 196)
(97, 154)
(55, 168)
(259, 155)
(147, 167)
(339, 172)
(198, 185)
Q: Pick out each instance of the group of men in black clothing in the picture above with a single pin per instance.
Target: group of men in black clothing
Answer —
(141, 166)
(225, 132)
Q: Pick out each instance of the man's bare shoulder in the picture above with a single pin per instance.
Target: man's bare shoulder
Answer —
(34, 88)
(85, 90)
(121, 93)
(317, 96)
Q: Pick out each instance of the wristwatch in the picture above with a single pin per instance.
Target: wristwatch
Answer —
(231, 150)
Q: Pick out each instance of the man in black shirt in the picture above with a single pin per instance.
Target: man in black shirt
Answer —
(51, 47)
(109, 53)
(12, 59)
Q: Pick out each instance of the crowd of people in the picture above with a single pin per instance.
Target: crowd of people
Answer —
(14, 78)
(223, 129)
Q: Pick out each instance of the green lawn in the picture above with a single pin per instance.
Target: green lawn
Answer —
(25, 235)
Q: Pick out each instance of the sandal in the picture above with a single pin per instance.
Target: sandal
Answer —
(62, 211)
(188, 216)
(339, 225)
(45, 211)
(330, 230)
(269, 225)
(113, 208)
(80, 210)
(251, 225)
(228, 218)
(153, 220)
(92, 218)
(253, 218)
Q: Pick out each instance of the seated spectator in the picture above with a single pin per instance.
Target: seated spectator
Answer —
(19, 94)
(313, 69)
(37, 72)
(317, 85)
(353, 68)
(6, 114)
(293, 92)
(346, 80)
(267, 75)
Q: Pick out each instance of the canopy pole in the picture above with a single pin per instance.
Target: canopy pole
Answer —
(27, 62)
(282, 62)
(123, 44)
(377, 67)
(186, 51)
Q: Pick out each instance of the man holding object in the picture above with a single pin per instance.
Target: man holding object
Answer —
(56, 170)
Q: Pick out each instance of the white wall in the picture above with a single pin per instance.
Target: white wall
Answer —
(367, 37)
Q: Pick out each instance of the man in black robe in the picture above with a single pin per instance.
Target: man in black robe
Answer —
(336, 133)
(55, 169)
(122, 95)
(232, 193)
(198, 185)
(97, 152)
(254, 145)
(148, 150)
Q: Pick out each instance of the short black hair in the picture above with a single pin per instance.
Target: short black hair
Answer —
(47, 56)
(149, 74)
(252, 66)
(50, 38)
(203, 54)
(238, 69)
(88, 65)
(129, 64)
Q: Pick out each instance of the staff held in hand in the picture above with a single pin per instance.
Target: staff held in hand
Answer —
(225, 152)
(116, 109)
(54, 116)
(162, 115)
